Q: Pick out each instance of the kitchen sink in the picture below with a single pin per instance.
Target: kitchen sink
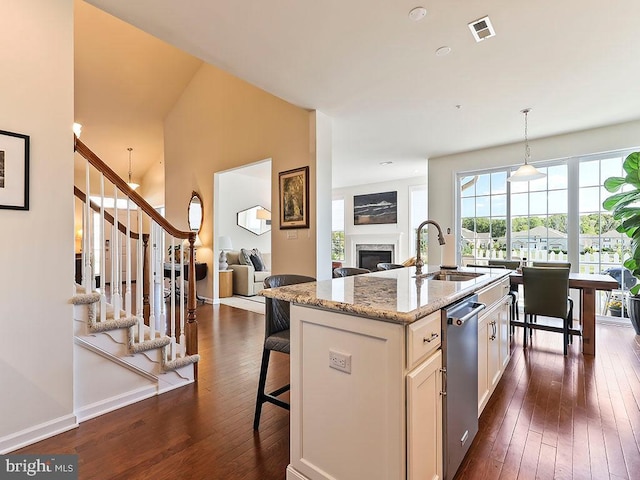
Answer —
(447, 276)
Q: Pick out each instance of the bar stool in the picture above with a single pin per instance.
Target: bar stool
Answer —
(276, 338)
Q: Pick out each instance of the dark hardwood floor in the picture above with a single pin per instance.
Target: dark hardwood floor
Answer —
(550, 417)
(557, 417)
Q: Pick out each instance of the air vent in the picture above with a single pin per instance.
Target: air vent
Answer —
(482, 29)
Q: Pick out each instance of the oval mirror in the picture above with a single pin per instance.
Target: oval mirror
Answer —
(195, 212)
(255, 219)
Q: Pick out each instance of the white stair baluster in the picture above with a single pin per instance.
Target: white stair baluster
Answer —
(86, 253)
(152, 268)
(182, 346)
(116, 299)
(127, 294)
(103, 293)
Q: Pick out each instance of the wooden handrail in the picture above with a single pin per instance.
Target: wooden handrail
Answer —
(108, 217)
(93, 159)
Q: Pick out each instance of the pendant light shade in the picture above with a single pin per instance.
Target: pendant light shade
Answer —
(526, 172)
(131, 184)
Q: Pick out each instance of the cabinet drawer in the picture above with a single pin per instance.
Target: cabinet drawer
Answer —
(423, 337)
(494, 293)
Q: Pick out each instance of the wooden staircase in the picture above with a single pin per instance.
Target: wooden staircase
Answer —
(134, 338)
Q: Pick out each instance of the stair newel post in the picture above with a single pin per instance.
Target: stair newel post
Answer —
(152, 296)
(103, 294)
(127, 292)
(192, 324)
(145, 278)
(116, 299)
(86, 235)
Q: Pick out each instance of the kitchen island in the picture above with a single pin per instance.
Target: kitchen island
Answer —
(367, 370)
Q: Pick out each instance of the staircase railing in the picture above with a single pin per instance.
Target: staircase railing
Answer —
(159, 305)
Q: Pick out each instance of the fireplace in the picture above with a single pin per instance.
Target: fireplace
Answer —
(369, 255)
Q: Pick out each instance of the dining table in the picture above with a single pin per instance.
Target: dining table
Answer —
(587, 284)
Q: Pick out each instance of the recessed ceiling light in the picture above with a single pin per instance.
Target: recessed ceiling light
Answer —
(384, 164)
(417, 13)
(442, 51)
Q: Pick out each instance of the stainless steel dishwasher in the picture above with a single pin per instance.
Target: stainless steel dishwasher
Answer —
(460, 354)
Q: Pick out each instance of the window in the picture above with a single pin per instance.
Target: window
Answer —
(533, 220)
(337, 229)
(483, 208)
(539, 212)
(601, 247)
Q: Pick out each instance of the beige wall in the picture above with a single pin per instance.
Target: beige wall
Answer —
(221, 122)
(36, 246)
(442, 171)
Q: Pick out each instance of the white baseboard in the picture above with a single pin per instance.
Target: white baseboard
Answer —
(36, 433)
(294, 474)
(110, 404)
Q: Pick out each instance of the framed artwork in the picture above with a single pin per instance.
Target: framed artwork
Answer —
(375, 208)
(14, 171)
(294, 198)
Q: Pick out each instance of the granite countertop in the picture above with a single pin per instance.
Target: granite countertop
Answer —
(392, 295)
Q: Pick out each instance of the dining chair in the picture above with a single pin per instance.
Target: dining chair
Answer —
(514, 291)
(348, 271)
(276, 338)
(546, 294)
(552, 264)
(509, 264)
(389, 266)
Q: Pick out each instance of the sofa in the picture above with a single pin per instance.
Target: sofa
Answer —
(246, 280)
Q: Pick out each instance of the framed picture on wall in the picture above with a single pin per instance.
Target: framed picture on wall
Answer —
(294, 198)
(375, 208)
(14, 171)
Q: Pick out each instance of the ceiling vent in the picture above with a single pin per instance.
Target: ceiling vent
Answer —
(482, 29)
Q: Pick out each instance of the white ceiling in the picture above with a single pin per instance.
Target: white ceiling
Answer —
(374, 71)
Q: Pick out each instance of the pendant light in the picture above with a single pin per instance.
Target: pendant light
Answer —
(131, 184)
(526, 172)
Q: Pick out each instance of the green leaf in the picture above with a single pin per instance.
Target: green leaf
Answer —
(631, 164)
(619, 200)
(613, 184)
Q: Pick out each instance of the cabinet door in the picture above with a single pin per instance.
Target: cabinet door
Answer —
(493, 350)
(504, 334)
(489, 366)
(424, 420)
(483, 375)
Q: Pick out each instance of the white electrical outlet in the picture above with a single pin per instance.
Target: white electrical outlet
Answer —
(340, 361)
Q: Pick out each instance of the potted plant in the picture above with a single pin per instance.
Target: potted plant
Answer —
(625, 206)
(615, 308)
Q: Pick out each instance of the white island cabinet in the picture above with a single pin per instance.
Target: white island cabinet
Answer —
(380, 419)
(366, 372)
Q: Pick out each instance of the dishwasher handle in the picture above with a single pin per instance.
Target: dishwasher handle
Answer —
(477, 308)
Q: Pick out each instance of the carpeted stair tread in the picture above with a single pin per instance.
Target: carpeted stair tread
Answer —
(124, 322)
(180, 362)
(150, 344)
(85, 298)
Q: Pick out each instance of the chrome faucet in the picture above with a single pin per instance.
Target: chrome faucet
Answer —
(419, 262)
